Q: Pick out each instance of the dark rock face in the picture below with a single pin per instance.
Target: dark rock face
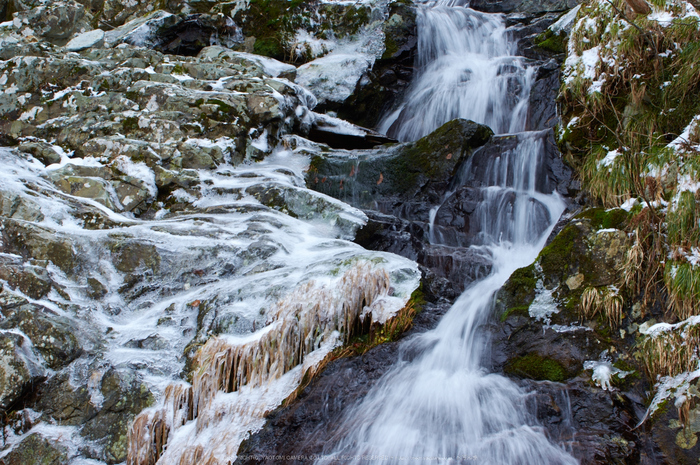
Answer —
(541, 113)
(403, 182)
(456, 223)
(529, 7)
(189, 35)
(390, 76)
(399, 179)
(305, 426)
(599, 426)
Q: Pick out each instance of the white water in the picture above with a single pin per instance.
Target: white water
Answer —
(466, 69)
(438, 404)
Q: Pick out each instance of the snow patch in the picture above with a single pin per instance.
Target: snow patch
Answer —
(544, 305)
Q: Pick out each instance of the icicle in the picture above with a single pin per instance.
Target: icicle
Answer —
(298, 326)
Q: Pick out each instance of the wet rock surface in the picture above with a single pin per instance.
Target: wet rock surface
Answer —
(548, 350)
(304, 427)
(140, 141)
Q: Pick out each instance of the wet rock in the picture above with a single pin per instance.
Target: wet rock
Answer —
(399, 179)
(460, 266)
(96, 289)
(304, 427)
(340, 134)
(51, 336)
(36, 450)
(541, 114)
(399, 185)
(542, 337)
(19, 207)
(90, 39)
(56, 21)
(33, 281)
(392, 234)
(531, 7)
(31, 241)
(19, 368)
(131, 255)
(597, 426)
(60, 401)
(124, 396)
(195, 32)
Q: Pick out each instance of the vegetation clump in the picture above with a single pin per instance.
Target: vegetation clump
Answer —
(631, 128)
(537, 367)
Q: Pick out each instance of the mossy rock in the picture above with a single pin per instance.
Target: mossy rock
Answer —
(404, 171)
(518, 292)
(36, 450)
(552, 42)
(535, 366)
(124, 397)
(587, 252)
(273, 23)
(605, 219)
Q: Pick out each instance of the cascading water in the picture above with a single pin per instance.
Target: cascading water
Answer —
(466, 69)
(438, 404)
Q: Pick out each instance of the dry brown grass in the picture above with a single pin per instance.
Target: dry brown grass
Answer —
(605, 301)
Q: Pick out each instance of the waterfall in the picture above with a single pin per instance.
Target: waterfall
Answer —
(438, 404)
(466, 69)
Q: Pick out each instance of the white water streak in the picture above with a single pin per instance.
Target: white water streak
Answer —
(466, 68)
(438, 404)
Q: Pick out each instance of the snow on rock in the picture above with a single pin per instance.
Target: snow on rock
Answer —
(333, 78)
(140, 31)
(566, 22)
(94, 38)
(676, 387)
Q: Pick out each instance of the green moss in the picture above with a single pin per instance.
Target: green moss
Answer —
(520, 310)
(556, 258)
(270, 47)
(130, 124)
(535, 366)
(390, 47)
(273, 23)
(178, 69)
(223, 106)
(520, 287)
(605, 219)
(548, 40)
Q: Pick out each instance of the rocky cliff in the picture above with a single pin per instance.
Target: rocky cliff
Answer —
(195, 247)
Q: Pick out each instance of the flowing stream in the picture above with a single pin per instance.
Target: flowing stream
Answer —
(438, 404)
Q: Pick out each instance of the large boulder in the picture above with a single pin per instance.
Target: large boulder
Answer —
(397, 178)
(20, 368)
(35, 449)
(55, 21)
(579, 359)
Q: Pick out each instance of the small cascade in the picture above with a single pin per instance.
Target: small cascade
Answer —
(466, 69)
(438, 404)
(305, 327)
(513, 210)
